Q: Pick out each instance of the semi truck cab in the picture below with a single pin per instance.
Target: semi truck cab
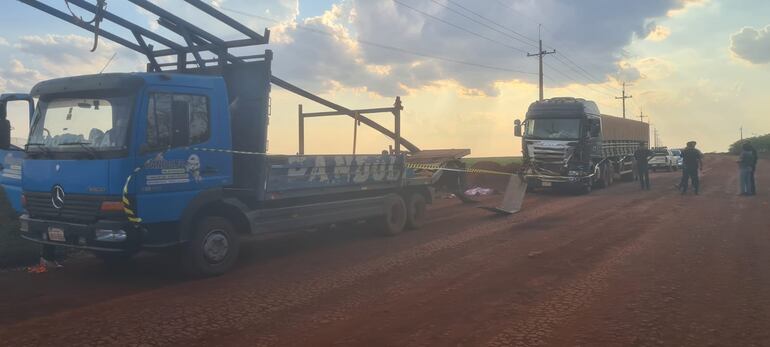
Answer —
(561, 140)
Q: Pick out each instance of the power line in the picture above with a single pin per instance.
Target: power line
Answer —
(519, 37)
(568, 77)
(579, 94)
(428, 15)
(562, 50)
(384, 46)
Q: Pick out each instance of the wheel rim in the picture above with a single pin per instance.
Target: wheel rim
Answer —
(215, 246)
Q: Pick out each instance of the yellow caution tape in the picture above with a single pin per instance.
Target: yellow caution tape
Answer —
(133, 217)
(436, 167)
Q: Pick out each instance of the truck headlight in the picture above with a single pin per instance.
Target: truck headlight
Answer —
(106, 235)
(23, 226)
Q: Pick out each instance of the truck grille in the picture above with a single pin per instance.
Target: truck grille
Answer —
(548, 154)
(76, 208)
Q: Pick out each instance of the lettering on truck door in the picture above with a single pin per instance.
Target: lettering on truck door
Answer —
(180, 153)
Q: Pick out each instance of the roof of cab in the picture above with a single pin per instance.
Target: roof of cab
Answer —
(117, 81)
(562, 107)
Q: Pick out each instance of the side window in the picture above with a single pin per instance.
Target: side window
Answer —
(159, 122)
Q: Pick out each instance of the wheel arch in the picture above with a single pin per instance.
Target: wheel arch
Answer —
(212, 203)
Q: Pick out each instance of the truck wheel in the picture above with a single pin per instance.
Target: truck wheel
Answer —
(604, 180)
(394, 220)
(415, 210)
(213, 248)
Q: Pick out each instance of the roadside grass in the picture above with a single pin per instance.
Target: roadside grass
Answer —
(500, 160)
(14, 251)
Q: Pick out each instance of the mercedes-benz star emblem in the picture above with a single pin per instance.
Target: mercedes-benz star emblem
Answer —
(57, 197)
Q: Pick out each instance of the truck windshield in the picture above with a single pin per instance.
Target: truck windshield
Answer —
(81, 124)
(547, 128)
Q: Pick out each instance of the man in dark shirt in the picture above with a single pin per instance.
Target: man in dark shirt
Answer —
(692, 159)
(642, 156)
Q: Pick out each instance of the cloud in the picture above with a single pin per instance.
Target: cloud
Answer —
(658, 33)
(752, 45)
(3, 41)
(686, 6)
(65, 55)
(594, 33)
(18, 78)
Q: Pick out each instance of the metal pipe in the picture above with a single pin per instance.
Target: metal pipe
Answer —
(229, 21)
(301, 92)
(72, 20)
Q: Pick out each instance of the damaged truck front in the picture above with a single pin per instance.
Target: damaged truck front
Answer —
(567, 143)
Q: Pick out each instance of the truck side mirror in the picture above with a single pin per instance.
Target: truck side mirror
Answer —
(5, 134)
(517, 128)
(5, 127)
(180, 124)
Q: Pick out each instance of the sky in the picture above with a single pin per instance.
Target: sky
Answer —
(697, 69)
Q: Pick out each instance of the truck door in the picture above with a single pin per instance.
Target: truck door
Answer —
(594, 132)
(182, 151)
(12, 148)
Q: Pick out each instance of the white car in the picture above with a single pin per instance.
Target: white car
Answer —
(678, 156)
(663, 159)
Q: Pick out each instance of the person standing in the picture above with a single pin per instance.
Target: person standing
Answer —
(642, 156)
(746, 163)
(753, 169)
(692, 159)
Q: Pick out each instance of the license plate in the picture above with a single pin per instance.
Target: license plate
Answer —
(547, 184)
(56, 234)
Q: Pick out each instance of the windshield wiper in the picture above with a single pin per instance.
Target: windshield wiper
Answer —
(86, 145)
(42, 147)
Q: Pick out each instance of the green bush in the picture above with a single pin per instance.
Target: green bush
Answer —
(761, 143)
(14, 250)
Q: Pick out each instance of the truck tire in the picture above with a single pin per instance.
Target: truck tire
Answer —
(213, 248)
(394, 220)
(415, 210)
(605, 180)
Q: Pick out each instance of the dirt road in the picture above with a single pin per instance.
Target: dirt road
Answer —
(620, 267)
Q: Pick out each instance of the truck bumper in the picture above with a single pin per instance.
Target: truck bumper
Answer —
(101, 236)
(545, 181)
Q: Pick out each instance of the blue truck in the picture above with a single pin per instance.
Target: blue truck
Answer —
(12, 154)
(176, 157)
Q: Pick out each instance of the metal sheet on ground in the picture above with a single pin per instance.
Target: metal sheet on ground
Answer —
(513, 198)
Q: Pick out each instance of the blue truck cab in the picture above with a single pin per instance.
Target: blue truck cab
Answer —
(12, 155)
(118, 163)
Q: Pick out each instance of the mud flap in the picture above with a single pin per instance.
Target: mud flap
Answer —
(513, 198)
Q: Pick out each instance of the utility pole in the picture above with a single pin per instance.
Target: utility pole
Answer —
(741, 133)
(541, 53)
(624, 97)
(642, 116)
